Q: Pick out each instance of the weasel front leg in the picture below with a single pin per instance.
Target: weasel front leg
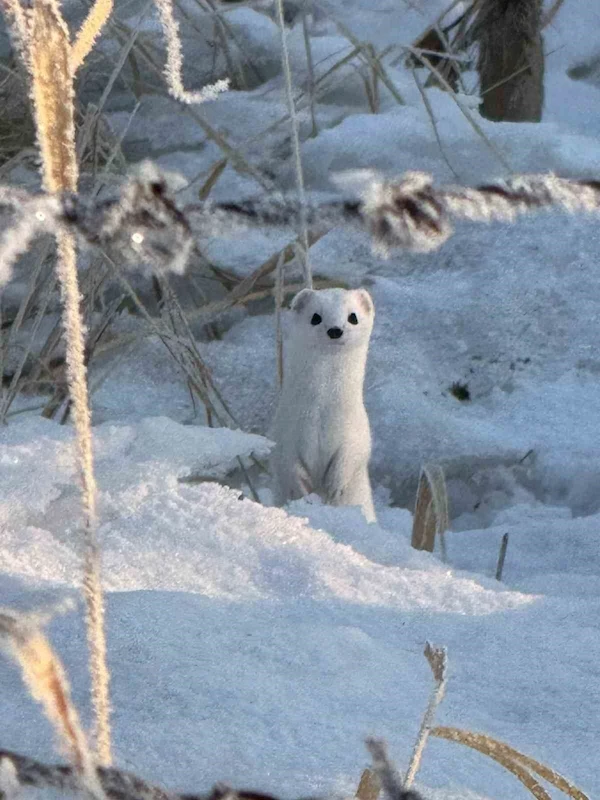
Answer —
(346, 482)
(357, 492)
(289, 480)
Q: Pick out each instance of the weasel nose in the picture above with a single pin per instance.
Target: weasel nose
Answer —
(334, 333)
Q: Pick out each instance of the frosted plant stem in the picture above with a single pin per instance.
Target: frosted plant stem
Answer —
(437, 661)
(285, 58)
(92, 588)
(311, 75)
(434, 124)
(174, 67)
(48, 55)
(426, 725)
(44, 675)
(279, 291)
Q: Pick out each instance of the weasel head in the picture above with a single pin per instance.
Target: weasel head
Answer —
(334, 320)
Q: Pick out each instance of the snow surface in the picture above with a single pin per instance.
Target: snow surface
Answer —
(260, 646)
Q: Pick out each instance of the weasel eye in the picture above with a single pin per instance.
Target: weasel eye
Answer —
(352, 319)
(316, 319)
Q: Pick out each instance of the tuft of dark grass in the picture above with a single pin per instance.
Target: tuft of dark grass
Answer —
(460, 391)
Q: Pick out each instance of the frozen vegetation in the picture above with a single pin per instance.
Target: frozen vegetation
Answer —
(260, 646)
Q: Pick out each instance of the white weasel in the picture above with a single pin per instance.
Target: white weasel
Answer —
(321, 429)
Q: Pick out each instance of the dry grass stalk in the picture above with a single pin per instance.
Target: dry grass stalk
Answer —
(213, 176)
(66, 270)
(501, 557)
(49, 62)
(438, 661)
(211, 311)
(547, 773)
(47, 682)
(434, 124)
(551, 13)
(96, 333)
(431, 509)
(47, 54)
(435, 45)
(235, 156)
(89, 133)
(510, 758)
(41, 296)
(36, 366)
(92, 585)
(311, 76)
(89, 32)
(369, 786)
(461, 105)
(367, 54)
(319, 86)
(289, 93)
(489, 747)
(183, 350)
(279, 294)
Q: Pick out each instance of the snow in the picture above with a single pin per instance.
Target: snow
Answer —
(260, 646)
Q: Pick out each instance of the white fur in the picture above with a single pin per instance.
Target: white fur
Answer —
(321, 429)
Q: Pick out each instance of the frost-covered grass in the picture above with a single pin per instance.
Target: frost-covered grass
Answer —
(260, 646)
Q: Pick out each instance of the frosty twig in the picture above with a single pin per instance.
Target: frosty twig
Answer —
(142, 223)
(174, 67)
(409, 212)
(285, 59)
(438, 661)
(145, 224)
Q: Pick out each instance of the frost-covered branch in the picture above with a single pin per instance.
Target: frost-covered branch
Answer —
(36, 215)
(410, 212)
(438, 661)
(143, 223)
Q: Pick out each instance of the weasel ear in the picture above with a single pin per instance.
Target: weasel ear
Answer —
(365, 300)
(301, 299)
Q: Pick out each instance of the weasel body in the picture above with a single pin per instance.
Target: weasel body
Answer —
(321, 429)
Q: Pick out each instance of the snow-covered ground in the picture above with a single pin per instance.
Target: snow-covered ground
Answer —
(260, 646)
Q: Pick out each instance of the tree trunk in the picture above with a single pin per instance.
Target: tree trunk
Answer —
(511, 59)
